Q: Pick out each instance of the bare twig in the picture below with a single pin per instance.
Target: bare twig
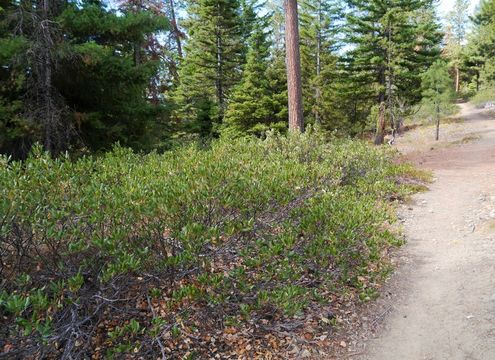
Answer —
(157, 339)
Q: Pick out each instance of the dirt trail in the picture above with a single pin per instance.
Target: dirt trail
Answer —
(445, 293)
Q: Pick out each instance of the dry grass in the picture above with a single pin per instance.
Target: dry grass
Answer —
(467, 139)
(490, 225)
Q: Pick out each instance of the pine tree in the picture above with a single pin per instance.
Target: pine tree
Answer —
(15, 130)
(437, 89)
(163, 47)
(277, 78)
(277, 23)
(171, 9)
(391, 49)
(248, 22)
(458, 20)
(319, 43)
(482, 45)
(211, 66)
(255, 106)
(76, 79)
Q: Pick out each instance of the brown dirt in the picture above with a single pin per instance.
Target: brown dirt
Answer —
(440, 303)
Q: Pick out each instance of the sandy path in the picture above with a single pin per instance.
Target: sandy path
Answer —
(446, 309)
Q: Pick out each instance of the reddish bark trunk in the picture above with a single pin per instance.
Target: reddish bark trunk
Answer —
(293, 59)
(380, 126)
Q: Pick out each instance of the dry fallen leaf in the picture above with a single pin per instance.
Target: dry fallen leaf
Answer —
(8, 347)
(308, 336)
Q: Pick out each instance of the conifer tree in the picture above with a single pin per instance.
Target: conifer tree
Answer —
(255, 105)
(211, 65)
(248, 22)
(437, 89)
(163, 46)
(391, 51)
(76, 80)
(319, 28)
(458, 19)
(482, 45)
(277, 23)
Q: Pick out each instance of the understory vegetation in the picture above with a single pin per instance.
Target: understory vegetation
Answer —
(195, 252)
(484, 97)
(218, 226)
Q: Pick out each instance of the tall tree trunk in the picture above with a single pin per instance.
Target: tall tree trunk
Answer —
(318, 65)
(437, 133)
(44, 104)
(380, 125)
(175, 29)
(390, 83)
(46, 81)
(293, 60)
(477, 80)
(219, 67)
(219, 75)
(457, 75)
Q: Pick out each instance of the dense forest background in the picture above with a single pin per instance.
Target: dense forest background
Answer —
(82, 75)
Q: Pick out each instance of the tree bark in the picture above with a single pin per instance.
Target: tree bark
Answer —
(45, 105)
(293, 63)
(437, 133)
(318, 65)
(219, 79)
(477, 81)
(457, 75)
(380, 126)
(390, 84)
(175, 29)
(219, 67)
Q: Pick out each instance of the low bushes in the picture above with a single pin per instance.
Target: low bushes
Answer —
(425, 113)
(155, 255)
(484, 97)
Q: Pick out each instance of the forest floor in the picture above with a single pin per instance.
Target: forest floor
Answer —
(440, 302)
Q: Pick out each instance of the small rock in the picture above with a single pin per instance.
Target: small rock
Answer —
(294, 349)
(305, 354)
(343, 344)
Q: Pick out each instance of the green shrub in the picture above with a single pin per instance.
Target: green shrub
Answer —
(425, 112)
(483, 97)
(122, 252)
